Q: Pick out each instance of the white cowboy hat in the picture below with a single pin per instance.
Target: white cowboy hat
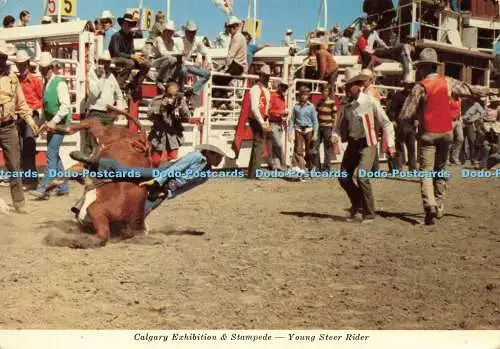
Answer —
(190, 26)
(46, 59)
(105, 56)
(354, 75)
(233, 20)
(265, 69)
(320, 30)
(367, 72)
(212, 148)
(106, 14)
(289, 31)
(22, 56)
(47, 19)
(170, 25)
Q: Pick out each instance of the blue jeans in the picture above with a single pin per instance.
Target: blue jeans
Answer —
(202, 74)
(54, 163)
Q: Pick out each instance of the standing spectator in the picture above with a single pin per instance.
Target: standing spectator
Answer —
(260, 103)
(458, 130)
(108, 23)
(357, 127)
(304, 129)
(288, 41)
(33, 92)
(473, 112)
(155, 32)
(166, 51)
(24, 18)
(252, 49)
(167, 112)
(327, 69)
(192, 47)
(327, 115)
(9, 22)
(236, 60)
(12, 104)
(400, 52)
(428, 103)
(122, 51)
(322, 37)
(277, 120)
(342, 45)
(224, 38)
(104, 91)
(56, 111)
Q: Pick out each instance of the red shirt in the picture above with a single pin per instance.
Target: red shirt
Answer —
(360, 45)
(277, 107)
(32, 89)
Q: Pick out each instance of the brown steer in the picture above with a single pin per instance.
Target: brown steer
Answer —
(114, 208)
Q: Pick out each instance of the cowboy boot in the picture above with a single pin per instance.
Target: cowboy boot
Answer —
(92, 159)
(78, 205)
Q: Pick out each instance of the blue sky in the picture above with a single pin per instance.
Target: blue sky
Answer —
(276, 15)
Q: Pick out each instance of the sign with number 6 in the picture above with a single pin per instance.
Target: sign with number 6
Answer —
(68, 8)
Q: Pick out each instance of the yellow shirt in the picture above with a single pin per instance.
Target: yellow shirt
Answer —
(12, 102)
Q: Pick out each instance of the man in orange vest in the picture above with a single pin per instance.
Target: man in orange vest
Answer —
(259, 102)
(428, 108)
(458, 130)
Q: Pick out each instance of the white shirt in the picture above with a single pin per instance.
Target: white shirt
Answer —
(255, 101)
(63, 98)
(289, 42)
(166, 48)
(238, 51)
(104, 91)
(374, 38)
(195, 48)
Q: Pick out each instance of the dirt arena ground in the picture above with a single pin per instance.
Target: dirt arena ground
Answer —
(269, 254)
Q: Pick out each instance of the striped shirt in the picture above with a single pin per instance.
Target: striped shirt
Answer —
(327, 112)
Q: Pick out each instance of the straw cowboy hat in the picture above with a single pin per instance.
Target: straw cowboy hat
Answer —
(428, 56)
(22, 56)
(213, 149)
(233, 20)
(170, 25)
(106, 14)
(265, 69)
(105, 56)
(46, 59)
(129, 18)
(190, 26)
(354, 75)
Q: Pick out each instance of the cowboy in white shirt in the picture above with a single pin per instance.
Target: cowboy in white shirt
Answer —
(166, 49)
(193, 47)
(103, 91)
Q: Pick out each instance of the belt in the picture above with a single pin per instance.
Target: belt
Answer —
(275, 120)
(7, 123)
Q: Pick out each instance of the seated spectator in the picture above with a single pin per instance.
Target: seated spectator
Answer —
(24, 18)
(366, 54)
(155, 32)
(193, 47)
(166, 53)
(9, 21)
(327, 69)
(107, 22)
(236, 60)
(342, 45)
(252, 49)
(122, 51)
